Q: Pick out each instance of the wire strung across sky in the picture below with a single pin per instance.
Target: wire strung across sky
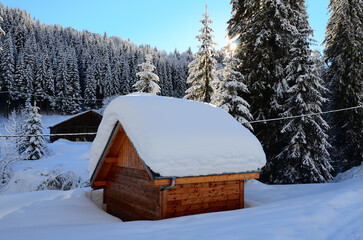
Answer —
(306, 115)
(62, 98)
(251, 122)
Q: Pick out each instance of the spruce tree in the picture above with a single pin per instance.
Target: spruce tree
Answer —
(33, 146)
(265, 31)
(73, 84)
(202, 70)
(305, 157)
(228, 96)
(343, 55)
(8, 65)
(19, 79)
(1, 30)
(40, 75)
(90, 88)
(125, 73)
(63, 87)
(148, 79)
(166, 83)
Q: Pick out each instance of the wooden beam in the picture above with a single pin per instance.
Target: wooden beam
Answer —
(111, 159)
(163, 203)
(212, 178)
(99, 184)
(241, 194)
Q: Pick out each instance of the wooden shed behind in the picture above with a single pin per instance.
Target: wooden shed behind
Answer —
(85, 122)
(132, 191)
(158, 157)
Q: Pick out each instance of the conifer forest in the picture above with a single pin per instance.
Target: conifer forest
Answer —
(305, 106)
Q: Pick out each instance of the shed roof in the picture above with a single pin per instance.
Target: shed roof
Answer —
(75, 116)
(177, 137)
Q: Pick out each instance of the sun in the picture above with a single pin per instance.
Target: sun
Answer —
(232, 46)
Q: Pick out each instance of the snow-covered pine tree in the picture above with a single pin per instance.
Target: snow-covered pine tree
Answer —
(34, 146)
(8, 65)
(165, 82)
(73, 93)
(1, 32)
(8, 151)
(148, 79)
(19, 78)
(40, 75)
(48, 81)
(109, 88)
(265, 31)
(116, 67)
(305, 158)
(229, 95)
(125, 73)
(343, 54)
(90, 88)
(202, 70)
(30, 68)
(62, 88)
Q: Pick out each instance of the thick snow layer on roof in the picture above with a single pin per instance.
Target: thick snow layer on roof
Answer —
(177, 137)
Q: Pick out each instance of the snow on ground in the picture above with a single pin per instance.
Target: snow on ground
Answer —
(309, 211)
(67, 158)
(354, 172)
(303, 211)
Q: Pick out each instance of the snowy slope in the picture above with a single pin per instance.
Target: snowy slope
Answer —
(177, 137)
(66, 159)
(354, 172)
(311, 211)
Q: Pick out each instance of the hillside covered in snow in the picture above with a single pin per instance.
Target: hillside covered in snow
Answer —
(298, 211)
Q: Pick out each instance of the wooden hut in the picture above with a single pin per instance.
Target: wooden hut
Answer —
(85, 122)
(138, 185)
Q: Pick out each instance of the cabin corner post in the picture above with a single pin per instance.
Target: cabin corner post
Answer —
(241, 194)
(163, 203)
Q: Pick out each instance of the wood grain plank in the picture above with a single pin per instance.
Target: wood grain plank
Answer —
(212, 178)
(241, 194)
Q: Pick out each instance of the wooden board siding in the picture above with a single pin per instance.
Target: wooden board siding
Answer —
(130, 192)
(211, 178)
(131, 195)
(128, 156)
(194, 198)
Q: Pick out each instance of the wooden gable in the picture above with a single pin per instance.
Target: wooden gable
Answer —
(86, 122)
(133, 192)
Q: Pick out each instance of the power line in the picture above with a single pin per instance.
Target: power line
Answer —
(47, 135)
(306, 115)
(54, 97)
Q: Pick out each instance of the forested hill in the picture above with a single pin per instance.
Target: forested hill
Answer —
(67, 71)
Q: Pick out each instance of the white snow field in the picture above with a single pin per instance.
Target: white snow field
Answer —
(67, 158)
(306, 211)
(309, 211)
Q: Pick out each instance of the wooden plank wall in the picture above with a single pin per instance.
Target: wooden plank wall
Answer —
(130, 193)
(207, 197)
(132, 196)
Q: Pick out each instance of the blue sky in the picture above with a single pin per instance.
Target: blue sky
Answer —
(165, 24)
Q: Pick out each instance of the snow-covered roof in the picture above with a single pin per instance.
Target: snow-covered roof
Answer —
(74, 116)
(177, 137)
